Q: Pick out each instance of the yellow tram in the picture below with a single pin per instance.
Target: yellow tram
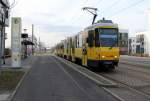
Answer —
(96, 46)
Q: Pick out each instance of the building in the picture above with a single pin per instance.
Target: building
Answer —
(132, 46)
(143, 43)
(123, 41)
(149, 20)
(140, 44)
(4, 22)
(28, 46)
(33, 47)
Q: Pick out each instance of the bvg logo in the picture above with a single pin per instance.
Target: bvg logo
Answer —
(16, 21)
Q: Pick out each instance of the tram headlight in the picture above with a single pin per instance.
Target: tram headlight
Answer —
(103, 56)
(116, 56)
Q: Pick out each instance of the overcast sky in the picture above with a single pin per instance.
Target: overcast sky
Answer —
(56, 19)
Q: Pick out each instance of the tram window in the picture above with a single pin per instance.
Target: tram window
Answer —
(97, 41)
(90, 38)
(80, 40)
(75, 41)
(87, 40)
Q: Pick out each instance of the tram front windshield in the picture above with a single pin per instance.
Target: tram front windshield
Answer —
(108, 37)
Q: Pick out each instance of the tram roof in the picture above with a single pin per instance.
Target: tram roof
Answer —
(97, 25)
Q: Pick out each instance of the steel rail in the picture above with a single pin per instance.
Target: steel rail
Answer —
(122, 84)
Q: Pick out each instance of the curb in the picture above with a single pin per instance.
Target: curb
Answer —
(17, 87)
(99, 83)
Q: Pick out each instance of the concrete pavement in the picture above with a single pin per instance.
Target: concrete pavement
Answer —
(26, 63)
(49, 80)
(141, 61)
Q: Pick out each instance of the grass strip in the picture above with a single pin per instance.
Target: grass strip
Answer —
(10, 78)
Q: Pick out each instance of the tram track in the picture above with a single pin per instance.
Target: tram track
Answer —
(136, 68)
(134, 64)
(143, 76)
(122, 84)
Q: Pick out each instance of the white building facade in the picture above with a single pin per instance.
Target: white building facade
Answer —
(149, 20)
(140, 44)
(132, 45)
(143, 43)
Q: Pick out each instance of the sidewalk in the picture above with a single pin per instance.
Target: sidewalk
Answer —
(26, 64)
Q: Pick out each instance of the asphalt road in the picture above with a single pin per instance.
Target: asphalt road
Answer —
(49, 80)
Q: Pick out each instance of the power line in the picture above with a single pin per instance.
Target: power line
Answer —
(98, 2)
(111, 6)
(85, 2)
(79, 13)
(126, 8)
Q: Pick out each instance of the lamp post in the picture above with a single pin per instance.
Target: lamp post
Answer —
(32, 38)
(25, 52)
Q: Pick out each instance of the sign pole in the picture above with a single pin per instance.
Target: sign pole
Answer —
(16, 28)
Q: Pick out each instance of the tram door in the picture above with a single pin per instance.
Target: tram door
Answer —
(84, 56)
(84, 48)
